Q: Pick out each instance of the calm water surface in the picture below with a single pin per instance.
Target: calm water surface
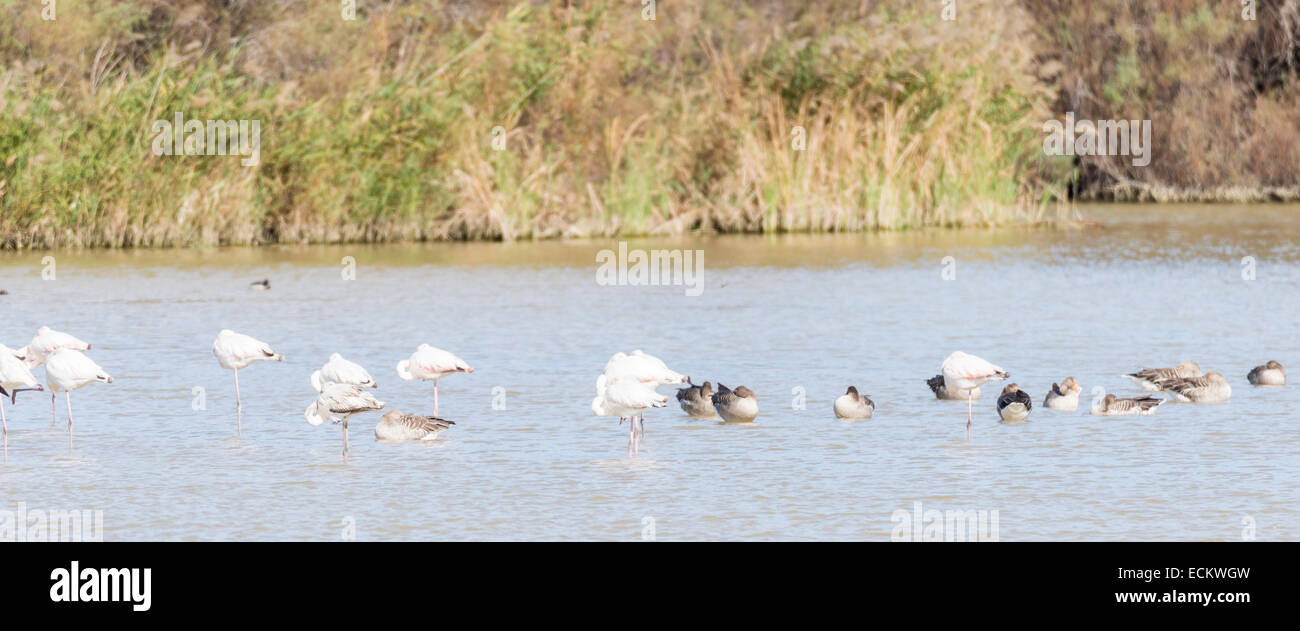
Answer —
(1148, 286)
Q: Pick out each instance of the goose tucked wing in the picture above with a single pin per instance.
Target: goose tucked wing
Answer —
(424, 423)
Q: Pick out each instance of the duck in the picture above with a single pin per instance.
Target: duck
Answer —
(1064, 396)
(1149, 379)
(260, 285)
(735, 406)
(852, 405)
(1212, 388)
(1112, 405)
(1014, 404)
(1270, 374)
(697, 401)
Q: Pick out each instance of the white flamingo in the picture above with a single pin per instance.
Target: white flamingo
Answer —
(339, 402)
(964, 373)
(625, 399)
(67, 370)
(45, 342)
(15, 376)
(643, 368)
(431, 364)
(339, 370)
(235, 351)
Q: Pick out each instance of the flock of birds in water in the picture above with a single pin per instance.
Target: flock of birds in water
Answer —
(625, 389)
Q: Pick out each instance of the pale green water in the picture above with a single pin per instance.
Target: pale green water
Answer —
(1150, 287)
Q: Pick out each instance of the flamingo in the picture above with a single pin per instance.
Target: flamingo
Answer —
(644, 368)
(339, 370)
(339, 402)
(67, 370)
(431, 364)
(235, 351)
(625, 399)
(45, 342)
(14, 376)
(964, 373)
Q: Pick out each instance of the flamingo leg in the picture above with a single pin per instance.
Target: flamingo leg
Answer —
(345, 439)
(239, 408)
(970, 403)
(54, 408)
(67, 396)
(631, 435)
(4, 423)
(435, 397)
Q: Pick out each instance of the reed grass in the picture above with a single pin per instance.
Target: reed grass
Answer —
(381, 129)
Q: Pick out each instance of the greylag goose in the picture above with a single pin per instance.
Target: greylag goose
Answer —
(964, 373)
(735, 406)
(852, 405)
(1212, 388)
(1270, 374)
(1112, 405)
(696, 400)
(1150, 378)
(1064, 396)
(1014, 404)
(396, 426)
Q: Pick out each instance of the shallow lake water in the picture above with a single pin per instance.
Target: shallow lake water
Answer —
(796, 318)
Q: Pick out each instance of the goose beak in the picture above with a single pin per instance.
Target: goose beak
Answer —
(1077, 388)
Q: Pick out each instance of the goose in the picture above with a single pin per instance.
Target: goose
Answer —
(1112, 405)
(852, 405)
(396, 426)
(1212, 388)
(339, 370)
(431, 364)
(1064, 396)
(1150, 378)
(697, 401)
(1014, 404)
(735, 406)
(625, 399)
(941, 391)
(337, 403)
(235, 351)
(67, 370)
(964, 373)
(1270, 374)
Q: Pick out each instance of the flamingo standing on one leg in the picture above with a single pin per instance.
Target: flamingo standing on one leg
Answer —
(68, 370)
(339, 370)
(234, 351)
(45, 342)
(625, 398)
(963, 373)
(339, 402)
(431, 364)
(644, 368)
(15, 376)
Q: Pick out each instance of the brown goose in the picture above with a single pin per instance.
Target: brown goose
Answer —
(395, 426)
(1014, 404)
(1115, 406)
(941, 391)
(696, 400)
(1064, 396)
(735, 406)
(1150, 378)
(852, 405)
(1212, 388)
(1270, 374)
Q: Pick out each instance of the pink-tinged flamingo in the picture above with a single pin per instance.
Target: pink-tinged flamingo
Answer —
(47, 341)
(235, 351)
(963, 373)
(643, 368)
(626, 399)
(431, 364)
(339, 370)
(67, 370)
(15, 376)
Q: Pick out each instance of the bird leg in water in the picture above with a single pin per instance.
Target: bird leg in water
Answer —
(67, 396)
(435, 397)
(5, 424)
(54, 408)
(631, 434)
(345, 439)
(239, 409)
(970, 403)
